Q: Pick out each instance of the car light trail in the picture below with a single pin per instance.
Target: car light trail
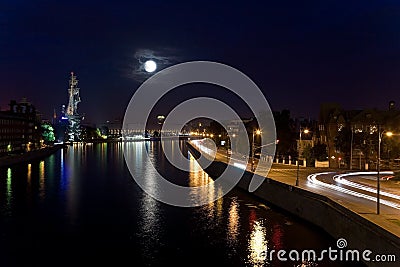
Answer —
(313, 179)
(199, 144)
(339, 178)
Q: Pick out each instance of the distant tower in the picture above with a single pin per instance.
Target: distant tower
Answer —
(74, 119)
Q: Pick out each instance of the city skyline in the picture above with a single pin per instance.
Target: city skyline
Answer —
(299, 54)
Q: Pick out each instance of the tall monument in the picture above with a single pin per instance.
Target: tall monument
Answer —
(74, 119)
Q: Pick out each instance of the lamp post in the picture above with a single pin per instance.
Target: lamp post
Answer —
(258, 132)
(306, 131)
(351, 148)
(229, 146)
(378, 179)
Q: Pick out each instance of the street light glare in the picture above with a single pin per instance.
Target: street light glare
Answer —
(257, 132)
(389, 134)
(306, 131)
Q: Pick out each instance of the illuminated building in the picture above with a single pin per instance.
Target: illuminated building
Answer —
(19, 128)
(74, 119)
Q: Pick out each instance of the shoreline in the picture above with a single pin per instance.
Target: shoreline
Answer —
(8, 161)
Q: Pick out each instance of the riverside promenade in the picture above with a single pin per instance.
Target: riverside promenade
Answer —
(9, 160)
(341, 215)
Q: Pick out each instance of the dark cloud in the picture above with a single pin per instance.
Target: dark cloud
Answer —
(163, 57)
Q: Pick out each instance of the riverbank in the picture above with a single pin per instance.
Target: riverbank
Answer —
(361, 231)
(29, 156)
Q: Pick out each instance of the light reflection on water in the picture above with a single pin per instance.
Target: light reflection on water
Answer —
(150, 219)
(89, 189)
(29, 180)
(41, 180)
(199, 178)
(9, 188)
(29, 173)
(233, 224)
(257, 245)
(71, 180)
(63, 171)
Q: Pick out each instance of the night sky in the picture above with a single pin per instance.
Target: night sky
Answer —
(300, 53)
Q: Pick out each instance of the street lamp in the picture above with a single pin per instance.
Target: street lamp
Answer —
(306, 131)
(351, 148)
(388, 134)
(229, 146)
(258, 132)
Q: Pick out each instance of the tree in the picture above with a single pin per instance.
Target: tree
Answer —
(320, 152)
(216, 128)
(317, 152)
(308, 154)
(343, 142)
(90, 133)
(48, 133)
(285, 133)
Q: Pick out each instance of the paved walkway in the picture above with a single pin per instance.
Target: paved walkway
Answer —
(388, 219)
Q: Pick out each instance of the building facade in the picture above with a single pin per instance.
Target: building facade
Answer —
(352, 136)
(19, 128)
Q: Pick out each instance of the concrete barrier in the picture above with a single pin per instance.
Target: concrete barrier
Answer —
(335, 219)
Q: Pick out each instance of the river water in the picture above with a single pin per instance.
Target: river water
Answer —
(81, 207)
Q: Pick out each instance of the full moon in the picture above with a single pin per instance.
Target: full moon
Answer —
(150, 66)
